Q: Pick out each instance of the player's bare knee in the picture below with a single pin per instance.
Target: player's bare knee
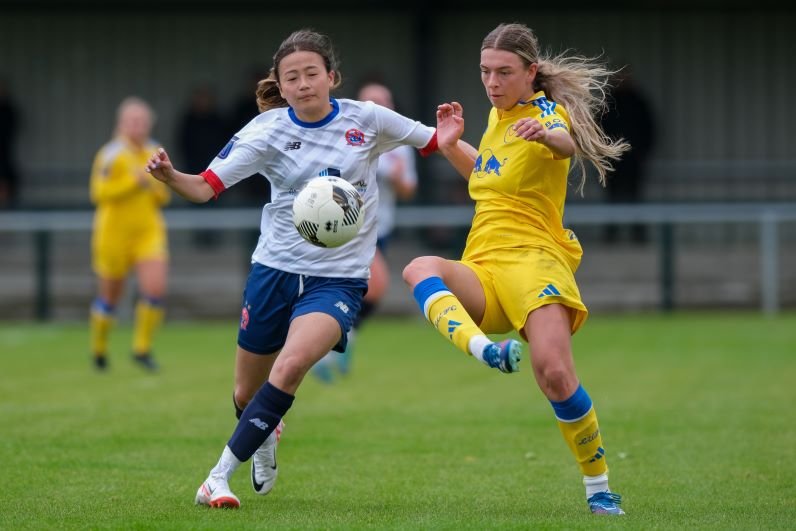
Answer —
(557, 381)
(422, 268)
(555, 376)
(410, 271)
(288, 371)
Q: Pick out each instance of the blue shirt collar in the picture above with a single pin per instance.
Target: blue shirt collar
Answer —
(320, 123)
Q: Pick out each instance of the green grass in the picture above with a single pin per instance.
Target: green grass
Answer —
(697, 413)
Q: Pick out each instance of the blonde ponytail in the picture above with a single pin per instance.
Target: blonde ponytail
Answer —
(580, 85)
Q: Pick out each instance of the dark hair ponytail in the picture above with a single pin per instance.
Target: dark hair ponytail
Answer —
(268, 95)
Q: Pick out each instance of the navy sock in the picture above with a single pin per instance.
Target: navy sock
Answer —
(259, 419)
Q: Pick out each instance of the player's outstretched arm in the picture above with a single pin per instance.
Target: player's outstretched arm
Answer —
(191, 187)
(450, 126)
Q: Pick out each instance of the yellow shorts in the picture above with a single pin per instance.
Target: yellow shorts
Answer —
(518, 281)
(115, 251)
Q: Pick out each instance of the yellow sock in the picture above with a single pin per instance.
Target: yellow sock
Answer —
(100, 328)
(448, 316)
(148, 317)
(584, 440)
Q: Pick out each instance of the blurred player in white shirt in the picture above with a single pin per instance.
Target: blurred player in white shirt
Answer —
(397, 178)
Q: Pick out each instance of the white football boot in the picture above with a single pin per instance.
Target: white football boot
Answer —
(215, 492)
(264, 469)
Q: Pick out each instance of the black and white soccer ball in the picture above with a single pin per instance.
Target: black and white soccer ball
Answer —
(328, 211)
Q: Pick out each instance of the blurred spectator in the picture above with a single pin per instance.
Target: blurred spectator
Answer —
(9, 125)
(257, 190)
(201, 135)
(244, 108)
(201, 131)
(629, 116)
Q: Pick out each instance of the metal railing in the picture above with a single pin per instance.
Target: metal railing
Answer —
(665, 216)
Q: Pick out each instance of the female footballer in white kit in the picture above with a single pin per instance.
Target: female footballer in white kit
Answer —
(299, 300)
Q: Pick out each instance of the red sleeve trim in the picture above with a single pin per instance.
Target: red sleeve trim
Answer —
(215, 183)
(431, 147)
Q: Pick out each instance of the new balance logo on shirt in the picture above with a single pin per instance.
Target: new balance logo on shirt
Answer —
(292, 145)
(549, 290)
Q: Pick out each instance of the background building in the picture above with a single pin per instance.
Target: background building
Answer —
(716, 75)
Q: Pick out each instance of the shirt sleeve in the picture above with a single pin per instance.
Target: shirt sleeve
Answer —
(243, 156)
(557, 119)
(397, 130)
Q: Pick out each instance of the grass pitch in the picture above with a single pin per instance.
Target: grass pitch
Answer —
(696, 412)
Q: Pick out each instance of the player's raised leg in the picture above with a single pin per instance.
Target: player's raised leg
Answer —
(451, 309)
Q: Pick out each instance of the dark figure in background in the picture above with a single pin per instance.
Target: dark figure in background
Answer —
(244, 108)
(629, 116)
(9, 125)
(255, 191)
(201, 130)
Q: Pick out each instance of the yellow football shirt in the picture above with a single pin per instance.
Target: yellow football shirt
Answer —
(519, 187)
(116, 186)
(128, 223)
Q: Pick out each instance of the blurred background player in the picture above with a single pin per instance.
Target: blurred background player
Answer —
(517, 270)
(397, 179)
(129, 232)
(628, 116)
(200, 131)
(256, 191)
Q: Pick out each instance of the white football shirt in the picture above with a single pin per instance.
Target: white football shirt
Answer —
(405, 157)
(289, 152)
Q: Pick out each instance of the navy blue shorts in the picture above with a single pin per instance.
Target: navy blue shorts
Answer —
(273, 298)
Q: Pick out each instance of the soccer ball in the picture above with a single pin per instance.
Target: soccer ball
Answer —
(328, 211)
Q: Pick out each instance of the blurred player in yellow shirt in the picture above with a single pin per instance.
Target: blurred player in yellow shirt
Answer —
(518, 267)
(129, 232)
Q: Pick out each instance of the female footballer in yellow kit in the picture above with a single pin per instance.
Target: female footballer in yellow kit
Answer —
(517, 270)
(129, 231)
